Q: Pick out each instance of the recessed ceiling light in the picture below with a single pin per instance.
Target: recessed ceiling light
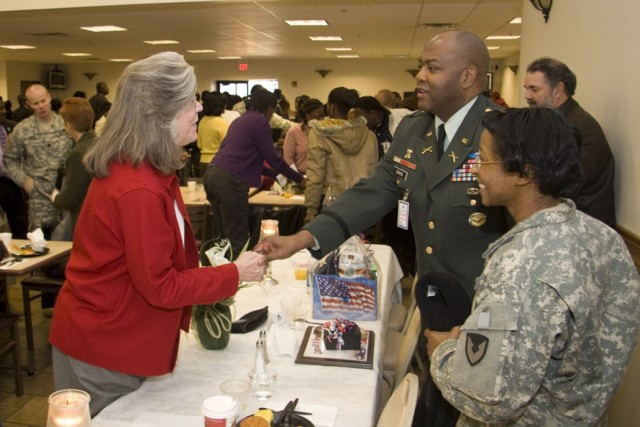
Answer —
(493, 47)
(161, 42)
(17, 46)
(200, 50)
(348, 56)
(121, 60)
(338, 49)
(103, 28)
(76, 54)
(502, 37)
(326, 38)
(516, 20)
(229, 57)
(308, 22)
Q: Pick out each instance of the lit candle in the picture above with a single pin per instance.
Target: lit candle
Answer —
(268, 227)
(69, 408)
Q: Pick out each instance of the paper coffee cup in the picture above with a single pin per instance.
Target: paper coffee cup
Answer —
(220, 411)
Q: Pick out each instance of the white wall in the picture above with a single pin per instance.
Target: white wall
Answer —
(596, 39)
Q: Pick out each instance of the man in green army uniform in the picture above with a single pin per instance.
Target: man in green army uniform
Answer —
(426, 174)
(35, 155)
(433, 186)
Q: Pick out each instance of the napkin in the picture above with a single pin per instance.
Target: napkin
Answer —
(277, 188)
(37, 240)
(282, 340)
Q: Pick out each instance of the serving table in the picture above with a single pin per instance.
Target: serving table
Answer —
(178, 397)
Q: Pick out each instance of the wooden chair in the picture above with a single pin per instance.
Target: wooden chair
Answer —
(199, 217)
(398, 352)
(10, 322)
(39, 284)
(399, 314)
(399, 410)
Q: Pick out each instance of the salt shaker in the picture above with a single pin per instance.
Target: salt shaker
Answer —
(265, 353)
(259, 365)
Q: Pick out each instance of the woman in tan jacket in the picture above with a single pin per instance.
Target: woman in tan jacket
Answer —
(342, 150)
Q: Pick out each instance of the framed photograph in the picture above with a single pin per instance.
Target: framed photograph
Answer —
(312, 351)
(489, 81)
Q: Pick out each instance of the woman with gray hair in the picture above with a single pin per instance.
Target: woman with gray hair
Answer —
(133, 272)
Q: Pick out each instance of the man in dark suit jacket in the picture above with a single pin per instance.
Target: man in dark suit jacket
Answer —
(451, 227)
(550, 83)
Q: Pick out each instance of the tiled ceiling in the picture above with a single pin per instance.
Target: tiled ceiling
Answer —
(374, 29)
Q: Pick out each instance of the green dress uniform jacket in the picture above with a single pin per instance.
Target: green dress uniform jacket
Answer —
(451, 227)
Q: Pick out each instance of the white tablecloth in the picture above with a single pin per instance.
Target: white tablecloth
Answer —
(200, 372)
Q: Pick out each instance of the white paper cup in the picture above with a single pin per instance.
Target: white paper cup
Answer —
(220, 411)
(6, 239)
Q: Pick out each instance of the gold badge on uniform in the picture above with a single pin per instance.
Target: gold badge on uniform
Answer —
(477, 219)
(465, 141)
(473, 191)
(430, 133)
(429, 149)
(453, 156)
(408, 153)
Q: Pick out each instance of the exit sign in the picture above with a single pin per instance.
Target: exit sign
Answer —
(243, 66)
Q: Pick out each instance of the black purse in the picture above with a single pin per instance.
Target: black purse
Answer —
(250, 321)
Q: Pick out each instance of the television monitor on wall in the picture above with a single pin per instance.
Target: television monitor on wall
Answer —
(57, 80)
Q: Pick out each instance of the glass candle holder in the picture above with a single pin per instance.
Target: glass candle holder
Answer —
(69, 408)
(268, 227)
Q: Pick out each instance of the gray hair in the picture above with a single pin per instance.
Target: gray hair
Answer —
(150, 95)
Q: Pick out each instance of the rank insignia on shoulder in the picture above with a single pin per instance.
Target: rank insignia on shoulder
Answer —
(476, 347)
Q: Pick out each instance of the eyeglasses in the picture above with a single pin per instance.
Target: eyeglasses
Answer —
(478, 163)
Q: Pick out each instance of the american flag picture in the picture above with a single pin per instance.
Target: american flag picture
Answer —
(346, 295)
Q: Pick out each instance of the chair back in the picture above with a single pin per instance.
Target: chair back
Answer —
(407, 347)
(399, 410)
(198, 217)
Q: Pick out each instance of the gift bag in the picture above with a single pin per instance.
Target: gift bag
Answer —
(345, 283)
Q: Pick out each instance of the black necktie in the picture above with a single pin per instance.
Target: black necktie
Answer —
(440, 141)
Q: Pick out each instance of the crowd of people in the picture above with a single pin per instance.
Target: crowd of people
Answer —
(498, 198)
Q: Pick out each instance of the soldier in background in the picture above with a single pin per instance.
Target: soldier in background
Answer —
(36, 153)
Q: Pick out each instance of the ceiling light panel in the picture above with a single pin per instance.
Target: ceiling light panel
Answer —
(103, 28)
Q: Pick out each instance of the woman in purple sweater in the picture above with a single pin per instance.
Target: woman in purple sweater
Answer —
(239, 164)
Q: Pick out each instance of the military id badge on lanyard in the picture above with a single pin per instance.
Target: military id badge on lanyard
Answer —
(403, 204)
(403, 211)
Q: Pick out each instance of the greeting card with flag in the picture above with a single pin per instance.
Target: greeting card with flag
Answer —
(345, 284)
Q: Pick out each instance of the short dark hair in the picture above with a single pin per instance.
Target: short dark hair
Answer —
(344, 99)
(539, 143)
(261, 100)
(369, 103)
(555, 72)
(213, 104)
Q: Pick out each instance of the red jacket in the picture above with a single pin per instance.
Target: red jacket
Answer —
(130, 281)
